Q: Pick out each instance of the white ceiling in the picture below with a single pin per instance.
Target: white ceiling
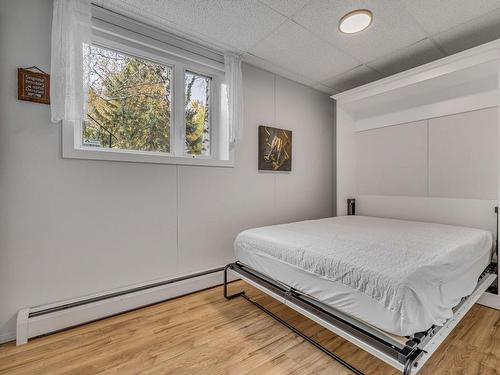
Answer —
(299, 38)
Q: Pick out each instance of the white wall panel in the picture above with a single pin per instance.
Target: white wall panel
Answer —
(463, 161)
(214, 206)
(393, 160)
(302, 110)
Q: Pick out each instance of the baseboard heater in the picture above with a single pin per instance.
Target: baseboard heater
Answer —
(40, 320)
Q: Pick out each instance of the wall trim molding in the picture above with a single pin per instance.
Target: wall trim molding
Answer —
(462, 60)
(449, 107)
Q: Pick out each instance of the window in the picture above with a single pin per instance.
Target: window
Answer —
(129, 102)
(150, 99)
(197, 113)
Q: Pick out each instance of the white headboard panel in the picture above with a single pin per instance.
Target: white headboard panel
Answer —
(470, 213)
(454, 156)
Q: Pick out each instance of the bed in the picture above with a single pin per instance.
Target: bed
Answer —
(388, 285)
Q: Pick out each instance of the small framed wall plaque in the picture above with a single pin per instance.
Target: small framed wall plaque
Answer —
(275, 149)
(33, 86)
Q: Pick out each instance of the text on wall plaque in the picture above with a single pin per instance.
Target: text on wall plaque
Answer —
(33, 86)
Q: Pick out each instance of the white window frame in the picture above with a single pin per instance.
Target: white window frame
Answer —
(114, 38)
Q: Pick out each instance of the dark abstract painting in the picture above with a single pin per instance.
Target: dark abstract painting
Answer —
(275, 149)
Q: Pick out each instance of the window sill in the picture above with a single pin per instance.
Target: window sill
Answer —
(70, 152)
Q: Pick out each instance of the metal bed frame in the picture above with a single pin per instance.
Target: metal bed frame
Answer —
(408, 357)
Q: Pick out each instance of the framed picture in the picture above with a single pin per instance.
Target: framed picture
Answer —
(275, 149)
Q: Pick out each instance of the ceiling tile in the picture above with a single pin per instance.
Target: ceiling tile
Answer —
(286, 7)
(392, 26)
(436, 16)
(299, 51)
(273, 68)
(358, 76)
(406, 58)
(236, 23)
(473, 33)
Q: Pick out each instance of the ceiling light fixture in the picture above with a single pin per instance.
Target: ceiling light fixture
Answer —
(355, 21)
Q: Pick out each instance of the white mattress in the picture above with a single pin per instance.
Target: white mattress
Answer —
(399, 276)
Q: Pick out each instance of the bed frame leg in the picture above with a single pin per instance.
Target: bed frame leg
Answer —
(227, 296)
(410, 362)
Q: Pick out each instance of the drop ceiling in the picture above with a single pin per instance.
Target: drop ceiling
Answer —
(299, 39)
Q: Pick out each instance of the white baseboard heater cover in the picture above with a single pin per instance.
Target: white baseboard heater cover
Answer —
(40, 320)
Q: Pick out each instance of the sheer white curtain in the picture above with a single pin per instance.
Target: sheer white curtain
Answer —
(232, 64)
(71, 29)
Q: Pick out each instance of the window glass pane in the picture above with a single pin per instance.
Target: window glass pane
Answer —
(129, 102)
(197, 113)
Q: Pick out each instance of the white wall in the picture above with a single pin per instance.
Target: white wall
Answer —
(74, 227)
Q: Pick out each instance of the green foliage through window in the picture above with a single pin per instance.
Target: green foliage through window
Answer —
(197, 113)
(129, 102)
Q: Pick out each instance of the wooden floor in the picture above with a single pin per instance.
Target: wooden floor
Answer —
(204, 334)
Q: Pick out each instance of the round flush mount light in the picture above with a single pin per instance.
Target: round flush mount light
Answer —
(355, 21)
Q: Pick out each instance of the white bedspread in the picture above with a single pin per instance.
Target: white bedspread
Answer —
(405, 266)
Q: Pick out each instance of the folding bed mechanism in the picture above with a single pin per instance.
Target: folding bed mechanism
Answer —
(407, 355)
